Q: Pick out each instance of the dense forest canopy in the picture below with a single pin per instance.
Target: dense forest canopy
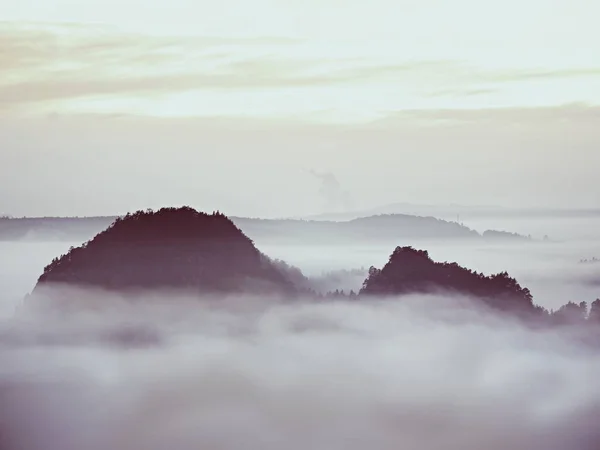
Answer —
(413, 271)
(409, 271)
(172, 247)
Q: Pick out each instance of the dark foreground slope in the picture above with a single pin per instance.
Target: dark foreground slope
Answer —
(170, 248)
(413, 271)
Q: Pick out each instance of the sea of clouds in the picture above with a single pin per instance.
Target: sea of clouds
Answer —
(168, 371)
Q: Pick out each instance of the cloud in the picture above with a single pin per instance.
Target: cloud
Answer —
(422, 373)
(461, 92)
(152, 84)
(336, 199)
(62, 63)
(40, 45)
(520, 75)
(579, 114)
(39, 64)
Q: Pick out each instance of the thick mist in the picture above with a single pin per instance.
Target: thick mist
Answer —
(550, 269)
(21, 263)
(164, 370)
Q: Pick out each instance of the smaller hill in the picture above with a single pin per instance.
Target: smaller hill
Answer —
(170, 248)
(413, 271)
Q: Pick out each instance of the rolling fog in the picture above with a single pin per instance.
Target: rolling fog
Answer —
(165, 371)
(551, 270)
(265, 374)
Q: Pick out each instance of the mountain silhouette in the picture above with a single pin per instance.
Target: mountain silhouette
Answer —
(170, 248)
(411, 271)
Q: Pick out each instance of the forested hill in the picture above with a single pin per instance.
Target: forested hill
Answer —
(411, 271)
(169, 248)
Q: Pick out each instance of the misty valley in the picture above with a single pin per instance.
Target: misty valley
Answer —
(182, 329)
(299, 225)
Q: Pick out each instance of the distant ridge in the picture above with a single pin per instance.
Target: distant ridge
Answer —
(382, 228)
(451, 211)
(379, 228)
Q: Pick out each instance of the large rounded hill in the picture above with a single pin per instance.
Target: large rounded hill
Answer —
(169, 248)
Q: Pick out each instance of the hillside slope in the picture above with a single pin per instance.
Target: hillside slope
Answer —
(169, 248)
(413, 271)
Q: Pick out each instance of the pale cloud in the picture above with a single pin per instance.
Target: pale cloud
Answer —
(61, 66)
(518, 75)
(76, 47)
(462, 92)
(404, 100)
(583, 115)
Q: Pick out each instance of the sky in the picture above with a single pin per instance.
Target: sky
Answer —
(288, 107)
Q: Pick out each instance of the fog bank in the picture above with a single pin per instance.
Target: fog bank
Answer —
(167, 371)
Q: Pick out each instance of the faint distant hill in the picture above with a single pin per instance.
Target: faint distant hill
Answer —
(383, 228)
(503, 236)
(411, 271)
(52, 228)
(170, 248)
(457, 211)
(446, 212)
(373, 229)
